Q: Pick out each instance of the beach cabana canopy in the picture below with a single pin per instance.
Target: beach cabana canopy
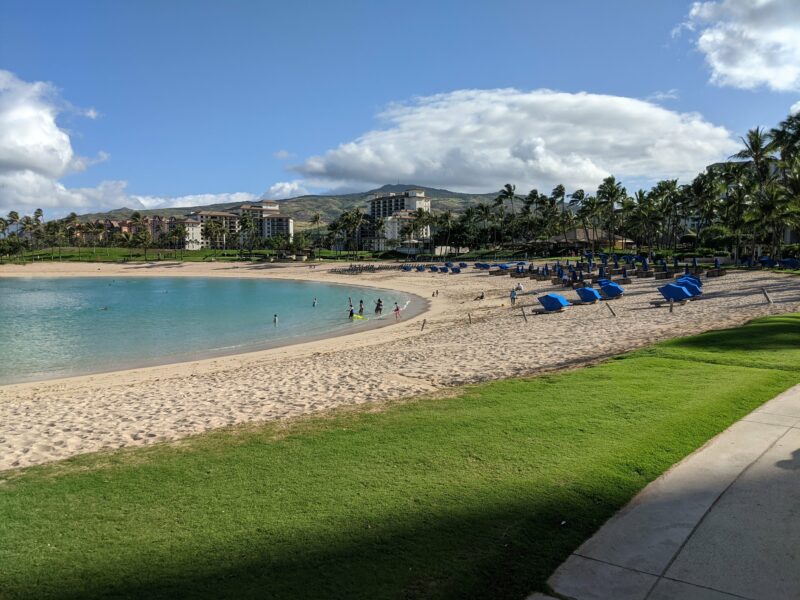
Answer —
(692, 287)
(674, 292)
(553, 302)
(588, 294)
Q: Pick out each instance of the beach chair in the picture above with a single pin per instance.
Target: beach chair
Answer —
(433, 269)
(455, 270)
(407, 268)
(462, 265)
(553, 302)
(611, 291)
(443, 269)
(420, 269)
(588, 295)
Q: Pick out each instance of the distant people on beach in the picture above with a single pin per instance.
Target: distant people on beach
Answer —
(481, 296)
(352, 313)
(379, 307)
(396, 311)
(361, 307)
(519, 287)
(513, 297)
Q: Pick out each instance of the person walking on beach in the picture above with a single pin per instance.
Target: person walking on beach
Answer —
(396, 311)
(361, 307)
(513, 297)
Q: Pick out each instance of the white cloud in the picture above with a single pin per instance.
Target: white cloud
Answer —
(749, 43)
(283, 154)
(477, 140)
(35, 153)
(286, 189)
(671, 94)
(795, 108)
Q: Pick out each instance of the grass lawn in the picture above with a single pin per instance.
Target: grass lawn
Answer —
(478, 495)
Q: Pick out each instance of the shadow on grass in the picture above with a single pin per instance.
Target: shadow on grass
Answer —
(774, 334)
(483, 554)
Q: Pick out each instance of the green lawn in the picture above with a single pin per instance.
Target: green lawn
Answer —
(478, 495)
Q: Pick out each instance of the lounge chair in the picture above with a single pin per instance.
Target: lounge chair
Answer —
(588, 295)
(553, 302)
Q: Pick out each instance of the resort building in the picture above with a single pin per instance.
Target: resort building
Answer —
(389, 214)
(382, 206)
(266, 217)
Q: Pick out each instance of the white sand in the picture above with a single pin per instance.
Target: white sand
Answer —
(50, 420)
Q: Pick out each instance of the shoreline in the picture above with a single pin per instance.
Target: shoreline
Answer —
(417, 306)
(464, 342)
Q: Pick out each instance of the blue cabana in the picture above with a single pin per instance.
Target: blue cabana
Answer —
(692, 287)
(443, 269)
(407, 268)
(790, 263)
(692, 278)
(674, 292)
(421, 269)
(463, 265)
(588, 295)
(612, 290)
(553, 302)
(433, 269)
(455, 270)
(448, 264)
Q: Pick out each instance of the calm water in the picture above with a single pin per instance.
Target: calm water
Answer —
(59, 327)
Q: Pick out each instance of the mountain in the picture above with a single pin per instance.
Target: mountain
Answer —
(330, 206)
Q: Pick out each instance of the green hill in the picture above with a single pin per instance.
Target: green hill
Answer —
(302, 208)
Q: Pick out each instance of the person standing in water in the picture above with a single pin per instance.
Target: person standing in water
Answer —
(396, 311)
(275, 320)
(314, 303)
(361, 307)
(352, 313)
(379, 307)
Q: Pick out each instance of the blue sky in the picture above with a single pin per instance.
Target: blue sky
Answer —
(163, 100)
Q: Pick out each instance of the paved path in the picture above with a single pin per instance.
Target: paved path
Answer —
(723, 524)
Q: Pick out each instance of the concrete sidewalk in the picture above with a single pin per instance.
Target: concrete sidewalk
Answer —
(722, 524)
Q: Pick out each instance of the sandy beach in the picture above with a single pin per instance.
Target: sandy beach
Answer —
(45, 421)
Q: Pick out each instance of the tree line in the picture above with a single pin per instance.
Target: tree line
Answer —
(739, 206)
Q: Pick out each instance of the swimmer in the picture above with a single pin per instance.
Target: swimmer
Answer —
(314, 303)
(275, 320)
(361, 307)
(352, 313)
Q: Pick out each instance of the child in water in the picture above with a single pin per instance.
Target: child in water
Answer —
(396, 311)
(352, 313)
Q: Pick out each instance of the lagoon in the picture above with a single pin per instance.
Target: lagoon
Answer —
(59, 327)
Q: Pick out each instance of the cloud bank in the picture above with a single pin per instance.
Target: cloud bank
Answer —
(35, 153)
(477, 140)
(749, 43)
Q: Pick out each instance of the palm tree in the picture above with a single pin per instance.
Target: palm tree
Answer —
(3, 226)
(212, 231)
(508, 193)
(12, 219)
(316, 219)
(609, 196)
(484, 213)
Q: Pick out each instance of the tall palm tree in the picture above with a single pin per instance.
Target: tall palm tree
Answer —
(484, 213)
(3, 226)
(12, 219)
(213, 231)
(609, 197)
(316, 219)
(508, 193)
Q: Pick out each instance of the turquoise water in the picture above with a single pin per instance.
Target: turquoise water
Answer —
(58, 327)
